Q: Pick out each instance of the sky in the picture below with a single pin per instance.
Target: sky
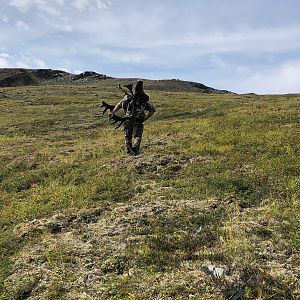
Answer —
(239, 45)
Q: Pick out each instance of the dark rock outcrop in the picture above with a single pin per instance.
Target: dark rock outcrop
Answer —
(24, 77)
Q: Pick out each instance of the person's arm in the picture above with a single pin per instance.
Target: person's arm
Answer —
(151, 110)
(116, 108)
(150, 113)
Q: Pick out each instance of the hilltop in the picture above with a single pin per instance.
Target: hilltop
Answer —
(28, 77)
(10, 77)
(209, 210)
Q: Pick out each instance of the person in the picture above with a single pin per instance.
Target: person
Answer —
(134, 106)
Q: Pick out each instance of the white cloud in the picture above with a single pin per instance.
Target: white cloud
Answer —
(22, 5)
(67, 28)
(41, 5)
(39, 63)
(256, 40)
(103, 4)
(4, 55)
(84, 4)
(22, 25)
(116, 56)
(282, 79)
(4, 60)
(5, 18)
(49, 7)
(156, 32)
(22, 60)
(80, 4)
(59, 25)
(218, 61)
(20, 64)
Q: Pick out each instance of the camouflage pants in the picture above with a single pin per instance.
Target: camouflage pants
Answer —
(133, 129)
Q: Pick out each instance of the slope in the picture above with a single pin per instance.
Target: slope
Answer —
(217, 183)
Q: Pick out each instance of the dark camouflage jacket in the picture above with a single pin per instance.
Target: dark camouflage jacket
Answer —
(136, 107)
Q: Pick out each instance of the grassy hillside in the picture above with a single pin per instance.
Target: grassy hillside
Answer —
(217, 182)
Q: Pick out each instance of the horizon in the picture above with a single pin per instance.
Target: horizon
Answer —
(151, 79)
(241, 47)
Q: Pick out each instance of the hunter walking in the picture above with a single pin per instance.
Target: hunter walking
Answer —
(134, 106)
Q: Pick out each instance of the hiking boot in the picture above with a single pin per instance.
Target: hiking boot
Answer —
(134, 151)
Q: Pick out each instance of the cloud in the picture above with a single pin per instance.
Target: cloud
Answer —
(160, 31)
(284, 78)
(4, 55)
(84, 4)
(23, 5)
(5, 18)
(20, 64)
(48, 9)
(218, 61)
(62, 25)
(255, 40)
(47, 6)
(80, 4)
(22, 25)
(40, 64)
(42, 5)
(4, 62)
(103, 4)
(118, 56)
(20, 61)
(9, 61)
(201, 41)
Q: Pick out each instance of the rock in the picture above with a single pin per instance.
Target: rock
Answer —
(213, 270)
(238, 294)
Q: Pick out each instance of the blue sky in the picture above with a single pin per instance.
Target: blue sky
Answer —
(238, 45)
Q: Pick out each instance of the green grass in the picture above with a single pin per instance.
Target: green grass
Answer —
(217, 181)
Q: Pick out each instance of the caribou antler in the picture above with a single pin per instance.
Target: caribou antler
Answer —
(115, 119)
(129, 87)
(125, 90)
(106, 106)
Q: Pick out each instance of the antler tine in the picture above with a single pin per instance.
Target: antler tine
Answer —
(126, 90)
(119, 125)
(115, 119)
(105, 109)
(106, 106)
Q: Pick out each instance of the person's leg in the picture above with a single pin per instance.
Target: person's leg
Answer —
(138, 129)
(128, 130)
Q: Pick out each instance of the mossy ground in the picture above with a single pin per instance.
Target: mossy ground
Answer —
(217, 181)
